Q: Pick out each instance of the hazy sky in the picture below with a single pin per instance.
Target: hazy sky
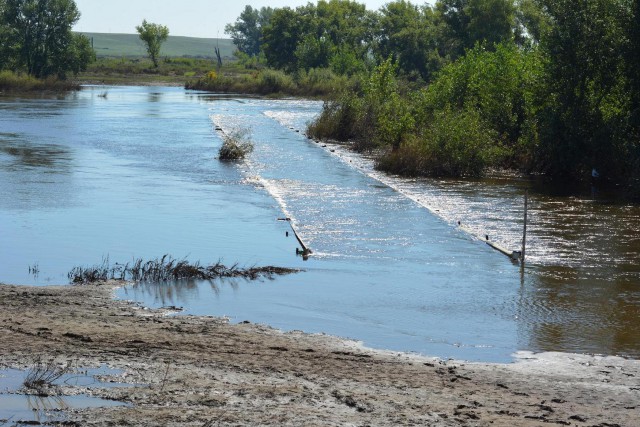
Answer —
(195, 18)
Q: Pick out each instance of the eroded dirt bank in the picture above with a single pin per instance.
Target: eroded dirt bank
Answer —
(202, 371)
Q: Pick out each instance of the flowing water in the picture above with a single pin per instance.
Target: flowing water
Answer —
(134, 174)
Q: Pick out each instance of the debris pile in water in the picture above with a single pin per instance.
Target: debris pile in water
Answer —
(167, 269)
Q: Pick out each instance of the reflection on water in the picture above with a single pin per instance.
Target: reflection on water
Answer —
(22, 154)
(16, 407)
(581, 288)
(29, 173)
(568, 309)
(135, 175)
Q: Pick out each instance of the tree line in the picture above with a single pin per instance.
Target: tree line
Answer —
(36, 38)
(453, 89)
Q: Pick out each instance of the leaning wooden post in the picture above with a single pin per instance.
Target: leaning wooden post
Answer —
(524, 228)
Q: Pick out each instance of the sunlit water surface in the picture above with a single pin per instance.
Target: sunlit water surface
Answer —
(135, 175)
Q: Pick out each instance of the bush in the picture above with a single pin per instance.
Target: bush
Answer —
(275, 81)
(345, 119)
(375, 115)
(321, 81)
(456, 144)
(235, 146)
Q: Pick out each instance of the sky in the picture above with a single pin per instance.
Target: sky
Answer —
(194, 18)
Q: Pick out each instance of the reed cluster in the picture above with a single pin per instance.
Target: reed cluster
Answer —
(167, 269)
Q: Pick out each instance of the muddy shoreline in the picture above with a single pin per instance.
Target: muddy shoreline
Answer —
(202, 371)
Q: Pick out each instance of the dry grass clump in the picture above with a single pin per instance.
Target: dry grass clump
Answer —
(43, 374)
(236, 145)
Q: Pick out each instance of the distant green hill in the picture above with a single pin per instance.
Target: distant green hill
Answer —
(119, 45)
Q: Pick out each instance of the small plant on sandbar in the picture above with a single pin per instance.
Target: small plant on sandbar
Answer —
(43, 374)
(236, 145)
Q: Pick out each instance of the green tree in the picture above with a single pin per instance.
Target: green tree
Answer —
(490, 21)
(4, 39)
(390, 113)
(313, 52)
(37, 37)
(586, 97)
(501, 87)
(281, 38)
(311, 35)
(153, 35)
(246, 32)
(466, 22)
(407, 33)
(343, 22)
(532, 22)
(79, 54)
(632, 62)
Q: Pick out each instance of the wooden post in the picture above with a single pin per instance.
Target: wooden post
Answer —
(524, 228)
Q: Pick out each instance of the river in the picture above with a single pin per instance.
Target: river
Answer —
(127, 172)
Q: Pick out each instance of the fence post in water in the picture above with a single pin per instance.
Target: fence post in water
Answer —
(524, 228)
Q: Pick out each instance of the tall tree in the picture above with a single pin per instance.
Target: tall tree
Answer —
(4, 39)
(532, 22)
(246, 32)
(38, 37)
(467, 22)
(632, 55)
(343, 22)
(311, 35)
(153, 35)
(407, 33)
(281, 38)
(586, 93)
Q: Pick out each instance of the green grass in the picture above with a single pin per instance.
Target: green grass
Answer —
(129, 45)
(315, 83)
(140, 70)
(16, 82)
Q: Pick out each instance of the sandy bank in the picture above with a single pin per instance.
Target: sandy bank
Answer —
(202, 371)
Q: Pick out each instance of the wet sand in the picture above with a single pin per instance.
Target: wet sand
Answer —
(203, 371)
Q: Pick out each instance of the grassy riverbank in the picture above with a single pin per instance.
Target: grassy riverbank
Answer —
(204, 74)
(140, 71)
(15, 82)
(313, 83)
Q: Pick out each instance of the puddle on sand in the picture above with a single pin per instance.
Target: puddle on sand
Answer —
(19, 408)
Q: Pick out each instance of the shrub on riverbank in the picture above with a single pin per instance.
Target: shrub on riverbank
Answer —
(315, 82)
(15, 82)
(456, 144)
(475, 115)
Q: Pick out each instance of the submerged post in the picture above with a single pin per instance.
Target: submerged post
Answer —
(524, 228)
